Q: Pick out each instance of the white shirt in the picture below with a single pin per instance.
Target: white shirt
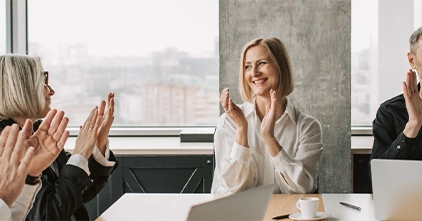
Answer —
(294, 169)
(22, 204)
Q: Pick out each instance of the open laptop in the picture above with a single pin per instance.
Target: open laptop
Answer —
(397, 189)
(246, 205)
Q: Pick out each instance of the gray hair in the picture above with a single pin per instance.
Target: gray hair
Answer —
(21, 86)
(413, 40)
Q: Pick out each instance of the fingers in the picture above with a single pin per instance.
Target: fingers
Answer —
(11, 141)
(102, 108)
(111, 106)
(224, 98)
(45, 125)
(27, 128)
(411, 83)
(267, 109)
(405, 91)
(230, 105)
(3, 138)
(26, 161)
(273, 100)
(90, 121)
(60, 132)
(56, 122)
(62, 141)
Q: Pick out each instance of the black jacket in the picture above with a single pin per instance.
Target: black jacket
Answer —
(65, 188)
(387, 128)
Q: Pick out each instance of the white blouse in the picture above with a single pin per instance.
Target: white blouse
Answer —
(22, 204)
(294, 169)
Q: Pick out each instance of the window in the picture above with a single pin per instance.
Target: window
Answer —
(159, 57)
(380, 36)
(3, 27)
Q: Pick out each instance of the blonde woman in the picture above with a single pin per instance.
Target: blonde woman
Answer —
(71, 179)
(266, 140)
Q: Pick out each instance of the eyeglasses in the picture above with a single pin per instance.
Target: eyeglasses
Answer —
(46, 77)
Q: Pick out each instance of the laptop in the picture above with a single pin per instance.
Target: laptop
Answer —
(245, 205)
(397, 189)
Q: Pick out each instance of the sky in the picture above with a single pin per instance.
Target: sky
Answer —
(126, 27)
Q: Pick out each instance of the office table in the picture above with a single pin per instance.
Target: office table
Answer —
(142, 206)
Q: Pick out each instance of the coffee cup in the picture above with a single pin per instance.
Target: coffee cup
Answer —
(308, 206)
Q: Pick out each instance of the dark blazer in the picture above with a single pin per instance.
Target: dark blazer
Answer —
(65, 188)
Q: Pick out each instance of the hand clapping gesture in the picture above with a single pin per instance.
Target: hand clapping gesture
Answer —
(106, 120)
(14, 162)
(237, 115)
(48, 140)
(85, 142)
(268, 123)
(413, 104)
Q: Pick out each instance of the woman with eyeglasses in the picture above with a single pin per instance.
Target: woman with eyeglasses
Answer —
(72, 179)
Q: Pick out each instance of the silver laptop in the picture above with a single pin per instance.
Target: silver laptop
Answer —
(246, 205)
(397, 189)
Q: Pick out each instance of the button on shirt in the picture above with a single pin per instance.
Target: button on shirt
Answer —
(294, 169)
(388, 126)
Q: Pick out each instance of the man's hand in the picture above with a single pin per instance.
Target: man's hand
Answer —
(413, 105)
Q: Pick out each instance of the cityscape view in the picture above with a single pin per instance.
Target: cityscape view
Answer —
(167, 88)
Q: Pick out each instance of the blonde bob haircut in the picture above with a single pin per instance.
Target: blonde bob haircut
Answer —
(21, 86)
(280, 57)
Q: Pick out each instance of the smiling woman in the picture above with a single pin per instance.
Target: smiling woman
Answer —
(266, 139)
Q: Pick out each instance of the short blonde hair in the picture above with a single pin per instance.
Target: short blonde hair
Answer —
(21, 86)
(278, 55)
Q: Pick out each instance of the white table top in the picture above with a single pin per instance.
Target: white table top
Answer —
(133, 206)
(176, 206)
(152, 146)
(340, 212)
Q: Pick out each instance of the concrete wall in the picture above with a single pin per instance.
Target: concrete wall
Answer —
(317, 36)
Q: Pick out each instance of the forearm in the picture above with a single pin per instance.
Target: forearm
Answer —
(294, 176)
(99, 175)
(273, 145)
(241, 136)
(24, 202)
(412, 129)
(237, 171)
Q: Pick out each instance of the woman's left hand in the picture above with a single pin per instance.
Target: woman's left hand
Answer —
(106, 120)
(268, 123)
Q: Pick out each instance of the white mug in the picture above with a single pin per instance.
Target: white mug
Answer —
(308, 206)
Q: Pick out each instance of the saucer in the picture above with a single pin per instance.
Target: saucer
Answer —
(319, 216)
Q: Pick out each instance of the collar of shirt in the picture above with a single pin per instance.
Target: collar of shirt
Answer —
(249, 108)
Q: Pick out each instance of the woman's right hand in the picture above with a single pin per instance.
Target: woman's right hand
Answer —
(87, 137)
(237, 115)
(48, 140)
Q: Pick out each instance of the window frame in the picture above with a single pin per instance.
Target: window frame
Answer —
(17, 42)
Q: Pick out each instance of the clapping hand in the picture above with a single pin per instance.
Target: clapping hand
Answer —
(413, 104)
(48, 140)
(106, 120)
(232, 110)
(268, 122)
(237, 115)
(85, 142)
(14, 162)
